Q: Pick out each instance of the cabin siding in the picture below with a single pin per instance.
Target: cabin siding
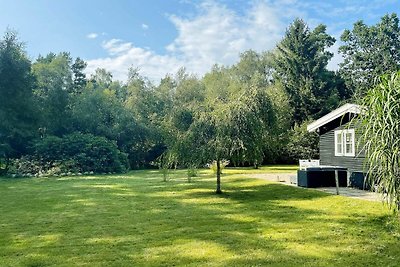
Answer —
(327, 152)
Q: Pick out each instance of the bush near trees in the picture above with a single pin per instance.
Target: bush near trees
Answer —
(73, 153)
(249, 113)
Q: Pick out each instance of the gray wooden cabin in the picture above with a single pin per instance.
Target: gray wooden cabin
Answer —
(338, 139)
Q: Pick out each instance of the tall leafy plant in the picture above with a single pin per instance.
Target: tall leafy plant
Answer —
(380, 122)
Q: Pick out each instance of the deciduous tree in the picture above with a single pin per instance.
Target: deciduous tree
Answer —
(18, 116)
(370, 51)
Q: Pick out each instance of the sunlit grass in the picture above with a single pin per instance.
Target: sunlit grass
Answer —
(138, 220)
(264, 169)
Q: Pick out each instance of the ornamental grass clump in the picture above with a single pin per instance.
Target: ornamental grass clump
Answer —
(380, 124)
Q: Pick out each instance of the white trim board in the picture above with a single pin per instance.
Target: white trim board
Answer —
(346, 108)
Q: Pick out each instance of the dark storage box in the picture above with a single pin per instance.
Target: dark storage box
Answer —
(357, 180)
(321, 177)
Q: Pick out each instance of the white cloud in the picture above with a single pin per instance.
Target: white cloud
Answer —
(216, 34)
(116, 46)
(92, 35)
(124, 55)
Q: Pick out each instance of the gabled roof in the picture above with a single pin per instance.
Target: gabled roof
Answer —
(339, 112)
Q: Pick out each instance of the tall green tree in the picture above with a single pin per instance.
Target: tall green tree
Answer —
(370, 51)
(18, 116)
(101, 78)
(276, 149)
(54, 91)
(142, 100)
(100, 112)
(251, 63)
(79, 77)
(299, 64)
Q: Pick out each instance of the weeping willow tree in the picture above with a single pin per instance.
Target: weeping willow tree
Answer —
(235, 126)
(380, 121)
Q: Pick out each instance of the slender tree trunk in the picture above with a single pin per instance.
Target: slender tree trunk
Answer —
(218, 191)
(256, 164)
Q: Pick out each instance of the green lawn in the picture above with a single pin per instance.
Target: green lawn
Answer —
(139, 220)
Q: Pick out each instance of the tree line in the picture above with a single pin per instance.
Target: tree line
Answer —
(55, 119)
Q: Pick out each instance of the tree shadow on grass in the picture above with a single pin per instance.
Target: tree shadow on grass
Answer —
(152, 223)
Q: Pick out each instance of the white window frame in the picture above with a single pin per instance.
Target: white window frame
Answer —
(338, 133)
(343, 133)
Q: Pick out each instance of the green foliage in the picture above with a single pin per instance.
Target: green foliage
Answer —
(213, 165)
(101, 111)
(245, 113)
(370, 51)
(192, 171)
(302, 144)
(300, 62)
(18, 113)
(380, 125)
(275, 150)
(33, 166)
(232, 120)
(53, 92)
(101, 78)
(4, 158)
(82, 153)
(79, 76)
(25, 166)
(165, 174)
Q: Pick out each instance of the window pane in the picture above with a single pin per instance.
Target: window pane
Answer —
(349, 148)
(348, 137)
(339, 148)
(339, 142)
(339, 138)
(349, 143)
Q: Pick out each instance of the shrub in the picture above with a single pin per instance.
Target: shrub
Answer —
(223, 164)
(191, 172)
(25, 167)
(165, 173)
(74, 153)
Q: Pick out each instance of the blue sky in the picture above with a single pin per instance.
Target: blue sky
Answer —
(160, 36)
